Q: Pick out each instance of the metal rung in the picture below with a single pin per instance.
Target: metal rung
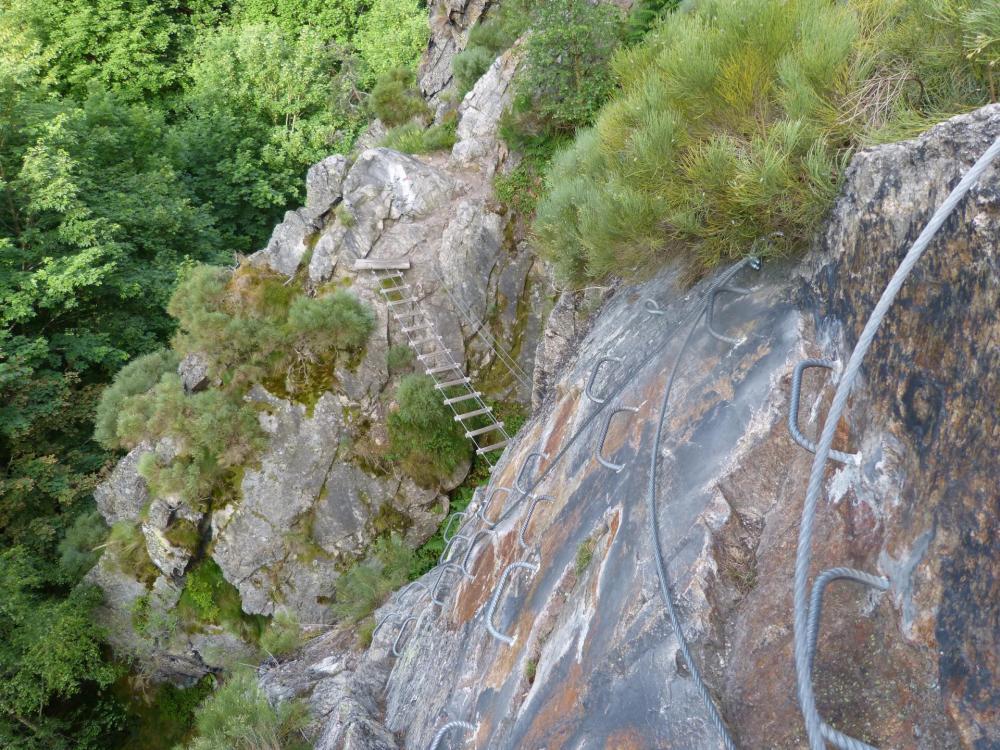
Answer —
(390, 289)
(491, 448)
(476, 413)
(408, 300)
(427, 340)
(450, 383)
(407, 313)
(483, 430)
(442, 368)
(390, 275)
(421, 327)
(466, 397)
(422, 357)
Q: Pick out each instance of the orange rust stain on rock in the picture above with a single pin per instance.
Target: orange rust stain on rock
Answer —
(625, 739)
(562, 418)
(555, 721)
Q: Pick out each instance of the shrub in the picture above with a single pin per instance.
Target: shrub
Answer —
(732, 125)
(423, 433)
(413, 138)
(400, 357)
(488, 39)
(366, 585)
(566, 75)
(396, 98)
(184, 533)
(80, 548)
(391, 35)
(238, 716)
(520, 189)
(127, 547)
(135, 378)
(282, 635)
(209, 599)
(643, 17)
(333, 321)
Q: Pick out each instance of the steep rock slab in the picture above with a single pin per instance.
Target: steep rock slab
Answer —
(450, 22)
(594, 662)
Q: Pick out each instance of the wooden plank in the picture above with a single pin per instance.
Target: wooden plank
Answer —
(371, 264)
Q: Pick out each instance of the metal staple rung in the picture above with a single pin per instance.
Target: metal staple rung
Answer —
(498, 592)
(519, 481)
(450, 383)
(604, 437)
(471, 414)
(447, 728)
(793, 411)
(484, 430)
(465, 397)
(443, 368)
(491, 448)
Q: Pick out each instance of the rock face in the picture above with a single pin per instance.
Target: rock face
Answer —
(592, 661)
(450, 22)
(315, 502)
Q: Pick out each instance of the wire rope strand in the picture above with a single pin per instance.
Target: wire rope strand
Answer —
(803, 676)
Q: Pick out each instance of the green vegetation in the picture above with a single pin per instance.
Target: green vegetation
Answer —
(282, 636)
(365, 586)
(400, 357)
(423, 435)
(257, 327)
(643, 17)
(209, 599)
(566, 76)
(136, 137)
(414, 138)
(238, 716)
(126, 546)
(584, 555)
(488, 39)
(165, 717)
(732, 124)
(397, 100)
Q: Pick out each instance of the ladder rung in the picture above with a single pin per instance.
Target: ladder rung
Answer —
(427, 340)
(476, 413)
(491, 448)
(450, 383)
(466, 397)
(389, 275)
(390, 289)
(407, 314)
(484, 430)
(422, 357)
(420, 327)
(443, 368)
(394, 302)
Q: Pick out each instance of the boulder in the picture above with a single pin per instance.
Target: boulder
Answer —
(477, 138)
(324, 183)
(123, 496)
(194, 372)
(289, 243)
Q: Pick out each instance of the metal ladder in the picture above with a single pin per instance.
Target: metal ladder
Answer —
(481, 426)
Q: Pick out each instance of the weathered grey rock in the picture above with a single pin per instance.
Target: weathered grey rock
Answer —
(289, 242)
(594, 656)
(163, 513)
(306, 512)
(563, 328)
(478, 140)
(324, 184)
(123, 496)
(450, 22)
(194, 372)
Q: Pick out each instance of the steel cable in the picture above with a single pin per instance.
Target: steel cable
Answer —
(661, 571)
(803, 672)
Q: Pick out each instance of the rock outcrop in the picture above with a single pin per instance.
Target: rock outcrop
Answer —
(592, 661)
(314, 502)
